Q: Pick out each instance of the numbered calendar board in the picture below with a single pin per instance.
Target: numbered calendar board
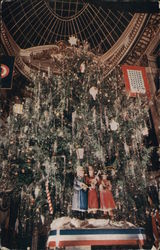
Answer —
(136, 80)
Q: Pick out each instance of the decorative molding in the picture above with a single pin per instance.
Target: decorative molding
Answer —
(150, 33)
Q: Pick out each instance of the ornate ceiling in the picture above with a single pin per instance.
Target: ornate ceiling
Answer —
(31, 27)
(34, 23)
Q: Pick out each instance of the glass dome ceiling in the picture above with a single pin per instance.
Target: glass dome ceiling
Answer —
(67, 8)
(34, 23)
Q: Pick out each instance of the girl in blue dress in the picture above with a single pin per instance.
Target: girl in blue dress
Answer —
(80, 193)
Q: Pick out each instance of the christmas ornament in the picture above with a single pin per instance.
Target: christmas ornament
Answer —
(71, 149)
(72, 40)
(55, 147)
(114, 125)
(94, 115)
(42, 219)
(47, 167)
(102, 125)
(131, 167)
(26, 129)
(49, 198)
(60, 132)
(80, 153)
(106, 118)
(18, 108)
(74, 114)
(126, 148)
(23, 170)
(82, 67)
(93, 92)
(46, 114)
(37, 190)
(145, 131)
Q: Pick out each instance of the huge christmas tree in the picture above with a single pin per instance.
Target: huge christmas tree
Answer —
(79, 117)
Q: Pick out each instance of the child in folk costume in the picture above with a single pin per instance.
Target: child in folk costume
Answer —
(107, 203)
(80, 193)
(92, 182)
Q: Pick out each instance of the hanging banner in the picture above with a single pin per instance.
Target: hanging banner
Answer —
(136, 80)
(7, 63)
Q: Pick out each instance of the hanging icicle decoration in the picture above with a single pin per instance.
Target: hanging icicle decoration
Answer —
(62, 120)
(126, 148)
(101, 119)
(102, 125)
(47, 167)
(133, 146)
(71, 149)
(42, 219)
(80, 153)
(106, 118)
(131, 166)
(145, 130)
(74, 115)
(50, 112)
(55, 146)
(94, 116)
(46, 116)
(37, 190)
(102, 155)
(139, 135)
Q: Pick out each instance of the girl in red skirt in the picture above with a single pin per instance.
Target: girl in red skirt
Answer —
(92, 182)
(107, 203)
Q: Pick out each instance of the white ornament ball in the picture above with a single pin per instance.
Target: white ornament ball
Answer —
(93, 92)
(114, 125)
(145, 131)
(82, 67)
